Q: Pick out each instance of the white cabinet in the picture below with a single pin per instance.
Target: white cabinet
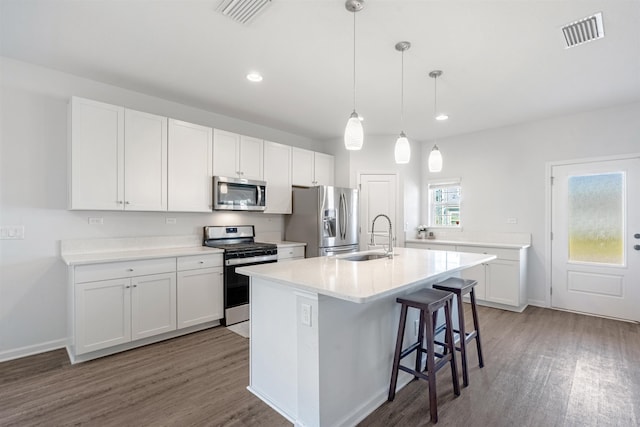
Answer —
(116, 311)
(288, 253)
(190, 167)
(200, 289)
(237, 155)
(501, 282)
(309, 168)
(277, 174)
(117, 158)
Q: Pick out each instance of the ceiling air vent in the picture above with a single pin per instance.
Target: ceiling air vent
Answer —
(583, 30)
(242, 11)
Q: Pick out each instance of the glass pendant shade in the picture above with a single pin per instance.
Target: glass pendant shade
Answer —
(435, 160)
(402, 150)
(353, 133)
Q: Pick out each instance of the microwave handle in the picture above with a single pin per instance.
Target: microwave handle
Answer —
(259, 202)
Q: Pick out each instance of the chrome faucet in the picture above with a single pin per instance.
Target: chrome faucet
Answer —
(389, 250)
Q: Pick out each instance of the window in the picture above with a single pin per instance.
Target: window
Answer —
(444, 204)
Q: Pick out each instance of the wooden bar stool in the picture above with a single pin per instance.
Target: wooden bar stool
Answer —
(428, 301)
(461, 287)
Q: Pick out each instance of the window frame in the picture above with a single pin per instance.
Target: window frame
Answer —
(432, 204)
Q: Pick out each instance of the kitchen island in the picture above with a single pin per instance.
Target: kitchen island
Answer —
(323, 330)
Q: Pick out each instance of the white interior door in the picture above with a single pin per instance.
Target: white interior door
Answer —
(596, 238)
(377, 196)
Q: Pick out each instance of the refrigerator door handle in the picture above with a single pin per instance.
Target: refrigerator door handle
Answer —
(343, 222)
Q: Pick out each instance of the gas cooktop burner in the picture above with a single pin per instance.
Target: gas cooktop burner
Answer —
(237, 247)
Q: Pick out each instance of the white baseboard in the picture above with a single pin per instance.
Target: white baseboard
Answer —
(539, 303)
(30, 350)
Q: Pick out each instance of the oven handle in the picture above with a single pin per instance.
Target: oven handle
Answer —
(251, 260)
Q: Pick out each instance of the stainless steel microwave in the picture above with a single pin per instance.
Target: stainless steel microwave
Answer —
(238, 194)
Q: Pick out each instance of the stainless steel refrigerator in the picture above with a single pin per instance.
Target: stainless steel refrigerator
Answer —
(325, 218)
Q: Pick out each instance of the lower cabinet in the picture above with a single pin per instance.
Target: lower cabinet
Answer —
(120, 305)
(501, 282)
(200, 296)
(112, 312)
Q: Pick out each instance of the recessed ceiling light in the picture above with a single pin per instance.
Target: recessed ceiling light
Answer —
(442, 117)
(254, 77)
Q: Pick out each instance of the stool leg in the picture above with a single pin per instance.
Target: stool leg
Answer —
(449, 332)
(421, 344)
(463, 341)
(431, 369)
(396, 357)
(474, 311)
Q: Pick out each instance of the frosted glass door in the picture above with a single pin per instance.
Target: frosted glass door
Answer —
(595, 254)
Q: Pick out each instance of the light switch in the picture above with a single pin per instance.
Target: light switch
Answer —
(12, 232)
(512, 220)
(96, 221)
(170, 221)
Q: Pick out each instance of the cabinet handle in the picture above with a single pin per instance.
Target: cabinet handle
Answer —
(135, 286)
(126, 203)
(129, 269)
(127, 287)
(201, 262)
(119, 202)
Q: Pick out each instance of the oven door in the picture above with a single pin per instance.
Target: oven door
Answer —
(236, 293)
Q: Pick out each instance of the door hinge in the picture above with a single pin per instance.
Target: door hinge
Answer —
(552, 235)
(551, 180)
(360, 187)
(551, 291)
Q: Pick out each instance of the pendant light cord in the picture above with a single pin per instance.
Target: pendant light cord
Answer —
(435, 95)
(402, 94)
(354, 61)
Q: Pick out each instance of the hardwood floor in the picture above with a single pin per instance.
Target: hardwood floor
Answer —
(542, 368)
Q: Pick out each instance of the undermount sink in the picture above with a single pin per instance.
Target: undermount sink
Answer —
(365, 257)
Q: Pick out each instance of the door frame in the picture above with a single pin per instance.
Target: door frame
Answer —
(548, 207)
(399, 232)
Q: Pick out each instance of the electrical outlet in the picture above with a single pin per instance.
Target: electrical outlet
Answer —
(305, 314)
(96, 221)
(512, 220)
(170, 220)
(12, 232)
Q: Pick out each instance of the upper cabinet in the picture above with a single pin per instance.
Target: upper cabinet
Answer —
(310, 168)
(190, 167)
(237, 156)
(277, 174)
(117, 158)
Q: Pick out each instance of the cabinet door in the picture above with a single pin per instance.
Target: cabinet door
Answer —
(302, 167)
(96, 155)
(145, 161)
(277, 174)
(290, 253)
(251, 158)
(103, 314)
(323, 166)
(190, 157)
(477, 273)
(200, 296)
(503, 282)
(153, 305)
(226, 153)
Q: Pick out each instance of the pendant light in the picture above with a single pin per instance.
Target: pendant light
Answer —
(353, 132)
(402, 150)
(435, 157)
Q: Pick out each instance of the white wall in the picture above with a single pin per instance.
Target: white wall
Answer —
(376, 156)
(33, 191)
(503, 172)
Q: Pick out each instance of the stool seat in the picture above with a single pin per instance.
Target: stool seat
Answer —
(428, 301)
(428, 298)
(461, 287)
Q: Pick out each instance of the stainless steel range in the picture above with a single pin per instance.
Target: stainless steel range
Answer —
(240, 249)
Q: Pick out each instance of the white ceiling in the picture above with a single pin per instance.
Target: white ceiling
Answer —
(504, 62)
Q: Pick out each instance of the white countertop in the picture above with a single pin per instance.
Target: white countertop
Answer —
(135, 254)
(469, 243)
(365, 281)
(282, 243)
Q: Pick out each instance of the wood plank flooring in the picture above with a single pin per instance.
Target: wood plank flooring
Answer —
(542, 368)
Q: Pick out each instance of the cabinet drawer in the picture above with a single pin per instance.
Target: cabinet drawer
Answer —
(430, 246)
(199, 261)
(501, 253)
(290, 252)
(116, 270)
